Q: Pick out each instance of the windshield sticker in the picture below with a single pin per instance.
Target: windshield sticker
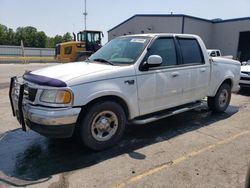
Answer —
(138, 40)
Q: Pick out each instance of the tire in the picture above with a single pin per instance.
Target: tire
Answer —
(103, 125)
(221, 100)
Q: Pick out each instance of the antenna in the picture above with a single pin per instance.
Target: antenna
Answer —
(85, 14)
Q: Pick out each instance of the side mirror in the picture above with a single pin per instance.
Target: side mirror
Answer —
(154, 60)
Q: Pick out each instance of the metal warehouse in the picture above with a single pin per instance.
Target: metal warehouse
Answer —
(231, 36)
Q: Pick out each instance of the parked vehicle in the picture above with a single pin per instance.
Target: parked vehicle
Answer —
(214, 52)
(84, 44)
(245, 62)
(245, 75)
(137, 79)
(217, 53)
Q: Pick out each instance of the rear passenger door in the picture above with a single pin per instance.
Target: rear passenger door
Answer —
(196, 72)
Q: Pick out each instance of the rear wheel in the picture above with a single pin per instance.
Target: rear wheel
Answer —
(221, 100)
(103, 125)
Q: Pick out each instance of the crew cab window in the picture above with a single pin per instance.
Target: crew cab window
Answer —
(217, 53)
(191, 51)
(164, 47)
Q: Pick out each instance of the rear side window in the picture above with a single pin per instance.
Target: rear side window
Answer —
(217, 53)
(191, 51)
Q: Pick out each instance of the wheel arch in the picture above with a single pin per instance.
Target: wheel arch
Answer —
(228, 80)
(114, 98)
(215, 103)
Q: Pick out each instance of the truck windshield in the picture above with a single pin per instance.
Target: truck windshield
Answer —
(123, 50)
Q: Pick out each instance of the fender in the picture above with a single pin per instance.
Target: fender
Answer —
(133, 112)
(104, 93)
(226, 77)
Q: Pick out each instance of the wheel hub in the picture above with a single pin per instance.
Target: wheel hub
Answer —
(104, 125)
(223, 98)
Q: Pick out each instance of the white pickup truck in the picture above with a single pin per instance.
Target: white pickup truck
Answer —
(217, 53)
(132, 79)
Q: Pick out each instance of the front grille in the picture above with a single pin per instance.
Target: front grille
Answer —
(30, 93)
(244, 85)
(245, 78)
(245, 72)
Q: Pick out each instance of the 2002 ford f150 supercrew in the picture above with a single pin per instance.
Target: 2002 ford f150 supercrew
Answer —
(132, 79)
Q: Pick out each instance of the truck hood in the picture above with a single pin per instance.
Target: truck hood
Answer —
(60, 75)
(69, 71)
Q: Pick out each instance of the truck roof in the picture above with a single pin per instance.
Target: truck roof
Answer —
(163, 34)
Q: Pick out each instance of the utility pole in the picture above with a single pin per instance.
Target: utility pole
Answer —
(85, 14)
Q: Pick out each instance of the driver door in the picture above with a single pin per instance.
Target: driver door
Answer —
(160, 87)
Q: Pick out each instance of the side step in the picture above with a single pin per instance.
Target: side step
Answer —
(166, 113)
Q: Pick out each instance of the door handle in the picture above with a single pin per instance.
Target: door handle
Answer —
(175, 74)
(203, 69)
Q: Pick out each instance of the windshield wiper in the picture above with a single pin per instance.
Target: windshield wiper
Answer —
(103, 61)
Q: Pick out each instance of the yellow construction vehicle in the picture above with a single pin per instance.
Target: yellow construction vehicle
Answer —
(86, 43)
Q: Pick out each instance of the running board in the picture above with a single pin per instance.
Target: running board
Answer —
(163, 114)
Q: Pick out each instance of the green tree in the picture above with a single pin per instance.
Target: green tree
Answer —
(50, 42)
(3, 34)
(10, 37)
(41, 39)
(58, 39)
(30, 37)
(67, 37)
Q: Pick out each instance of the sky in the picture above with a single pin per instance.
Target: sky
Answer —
(61, 16)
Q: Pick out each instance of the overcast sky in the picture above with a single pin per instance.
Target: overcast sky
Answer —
(61, 16)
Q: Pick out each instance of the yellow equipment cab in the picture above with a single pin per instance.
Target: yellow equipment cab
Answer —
(86, 43)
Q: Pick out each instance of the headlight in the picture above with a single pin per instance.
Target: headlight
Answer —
(56, 96)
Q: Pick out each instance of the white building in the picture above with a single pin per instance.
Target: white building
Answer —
(232, 36)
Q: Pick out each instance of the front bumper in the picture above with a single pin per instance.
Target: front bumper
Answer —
(59, 131)
(51, 122)
(51, 116)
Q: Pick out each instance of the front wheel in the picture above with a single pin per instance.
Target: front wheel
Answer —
(103, 125)
(221, 100)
